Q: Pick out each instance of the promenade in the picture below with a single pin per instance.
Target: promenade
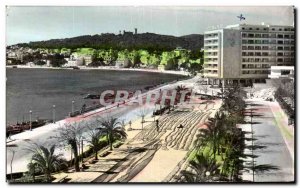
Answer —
(18, 143)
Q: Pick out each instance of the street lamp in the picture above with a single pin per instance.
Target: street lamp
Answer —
(53, 113)
(30, 123)
(251, 115)
(73, 106)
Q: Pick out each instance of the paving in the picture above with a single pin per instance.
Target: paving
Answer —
(273, 160)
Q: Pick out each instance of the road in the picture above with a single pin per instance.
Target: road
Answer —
(274, 162)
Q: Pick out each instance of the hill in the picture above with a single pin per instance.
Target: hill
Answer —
(130, 41)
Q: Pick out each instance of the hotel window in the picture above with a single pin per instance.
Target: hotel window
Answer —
(250, 47)
(279, 48)
(244, 66)
(265, 66)
(244, 54)
(265, 36)
(257, 54)
(280, 54)
(265, 60)
(257, 60)
(250, 28)
(244, 60)
(273, 29)
(279, 60)
(257, 42)
(251, 66)
(243, 28)
(265, 47)
(265, 54)
(279, 42)
(286, 36)
(257, 48)
(265, 29)
(292, 48)
(280, 36)
(265, 41)
(257, 28)
(245, 72)
(244, 47)
(286, 48)
(244, 35)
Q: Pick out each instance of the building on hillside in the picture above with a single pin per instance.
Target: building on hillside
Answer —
(245, 53)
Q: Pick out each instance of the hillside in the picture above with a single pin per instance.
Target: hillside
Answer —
(149, 41)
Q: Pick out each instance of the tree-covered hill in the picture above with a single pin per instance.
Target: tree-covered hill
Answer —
(148, 41)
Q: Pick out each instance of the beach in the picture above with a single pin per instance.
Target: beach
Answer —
(42, 135)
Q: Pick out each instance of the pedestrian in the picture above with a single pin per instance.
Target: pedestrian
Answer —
(157, 127)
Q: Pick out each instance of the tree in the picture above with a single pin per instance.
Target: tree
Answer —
(203, 169)
(95, 141)
(70, 134)
(46, 161)
(32, 168)
(112, 128)
(142, 114)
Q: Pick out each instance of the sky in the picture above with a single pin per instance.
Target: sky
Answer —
(36, 23)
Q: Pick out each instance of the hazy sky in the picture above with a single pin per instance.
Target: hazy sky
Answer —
(26, 24)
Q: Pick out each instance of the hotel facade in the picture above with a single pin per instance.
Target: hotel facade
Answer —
(245, 53)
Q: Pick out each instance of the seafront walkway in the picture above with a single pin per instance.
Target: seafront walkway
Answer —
(18, 143)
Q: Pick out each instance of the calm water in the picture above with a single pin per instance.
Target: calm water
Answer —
(39, 89)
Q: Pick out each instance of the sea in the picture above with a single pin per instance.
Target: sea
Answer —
(48, 93)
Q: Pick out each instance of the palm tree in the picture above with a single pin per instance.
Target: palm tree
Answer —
(113, 129)
(46, 161)
(32, 170)
(95, 142)
(213, 133)
(202, 168)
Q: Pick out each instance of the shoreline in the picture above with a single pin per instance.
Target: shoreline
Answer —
(37, 134)
(183, 73)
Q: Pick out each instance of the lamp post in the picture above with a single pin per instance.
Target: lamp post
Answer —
(30, 123)
(53, 113)
(251, 115)
(73, 106)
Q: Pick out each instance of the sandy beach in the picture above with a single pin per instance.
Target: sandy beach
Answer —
(43, 134)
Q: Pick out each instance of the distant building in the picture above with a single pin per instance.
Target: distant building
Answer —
(127, 32)
(245, 53)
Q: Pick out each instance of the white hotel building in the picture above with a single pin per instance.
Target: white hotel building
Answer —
(245, 53)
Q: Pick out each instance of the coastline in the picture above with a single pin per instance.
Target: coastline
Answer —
(41, 134)
(184, 73)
